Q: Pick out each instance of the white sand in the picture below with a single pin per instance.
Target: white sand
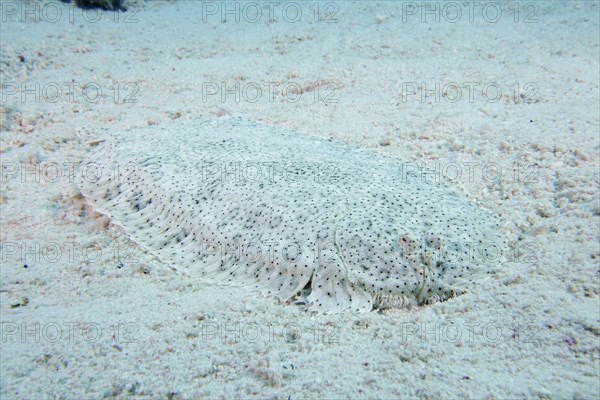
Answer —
(531, 333)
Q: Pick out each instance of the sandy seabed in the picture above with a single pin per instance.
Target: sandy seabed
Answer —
(497, 99)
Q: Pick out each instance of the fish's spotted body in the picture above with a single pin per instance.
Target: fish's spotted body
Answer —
(291, 216)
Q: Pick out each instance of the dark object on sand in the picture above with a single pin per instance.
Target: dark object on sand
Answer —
(109, 5)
